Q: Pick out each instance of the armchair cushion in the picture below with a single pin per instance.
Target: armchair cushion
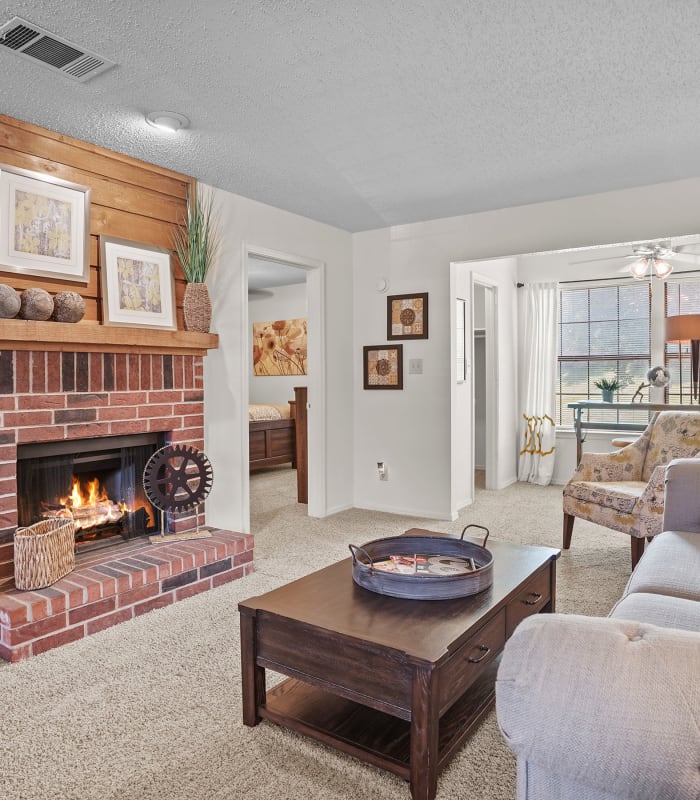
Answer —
(618, 495)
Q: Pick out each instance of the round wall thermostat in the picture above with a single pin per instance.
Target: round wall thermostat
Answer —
(382, 284)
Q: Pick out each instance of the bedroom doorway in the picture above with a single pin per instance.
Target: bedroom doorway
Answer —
(284, 312)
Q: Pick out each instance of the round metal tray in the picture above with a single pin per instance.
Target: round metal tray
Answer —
(423, 587)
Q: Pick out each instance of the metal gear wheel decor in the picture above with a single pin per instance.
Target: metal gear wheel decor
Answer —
(177, 478)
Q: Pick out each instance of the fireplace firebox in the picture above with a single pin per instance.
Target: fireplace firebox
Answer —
(96, 482)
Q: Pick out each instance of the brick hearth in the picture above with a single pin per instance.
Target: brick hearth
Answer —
(48, 396)
(116, 584)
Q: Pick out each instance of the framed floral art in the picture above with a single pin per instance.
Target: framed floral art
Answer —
(137, 285)
(44, 225)
(280, 347)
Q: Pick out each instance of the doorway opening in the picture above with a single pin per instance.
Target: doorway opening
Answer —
(285, 375)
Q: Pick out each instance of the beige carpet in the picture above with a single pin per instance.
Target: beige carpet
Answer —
(150, 710)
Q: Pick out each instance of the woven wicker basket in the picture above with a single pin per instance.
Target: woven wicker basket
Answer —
(44, 553)
(196, 307)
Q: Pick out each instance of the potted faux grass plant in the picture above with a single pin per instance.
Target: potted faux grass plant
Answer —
(608, 386)
(196, 242)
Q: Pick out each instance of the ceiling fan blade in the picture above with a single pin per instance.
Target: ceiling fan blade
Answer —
(685, 258)
(606, 258)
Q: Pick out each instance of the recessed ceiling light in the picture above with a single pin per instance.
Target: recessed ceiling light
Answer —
(169, 121)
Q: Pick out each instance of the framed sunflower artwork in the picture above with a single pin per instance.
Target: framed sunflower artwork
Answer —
(407, 316)
(383, 366)
(137, 285)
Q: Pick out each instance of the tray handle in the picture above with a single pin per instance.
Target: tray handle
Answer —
(354, 550)
(473, 525)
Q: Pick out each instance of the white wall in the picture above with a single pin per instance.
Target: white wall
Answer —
(226, 369)
(277, 302)
(410, 430)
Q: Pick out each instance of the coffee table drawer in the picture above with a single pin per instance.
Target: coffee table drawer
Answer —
(462, 668)
(359, 670)
(530, 600)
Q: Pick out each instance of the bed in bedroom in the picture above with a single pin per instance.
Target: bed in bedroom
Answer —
(272, 438)
(277, 435)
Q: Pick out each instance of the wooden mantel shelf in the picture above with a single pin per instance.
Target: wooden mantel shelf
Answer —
(18, 334)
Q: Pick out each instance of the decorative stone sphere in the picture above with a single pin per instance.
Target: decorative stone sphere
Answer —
(36, 304)
(9, 301)
(68, 307)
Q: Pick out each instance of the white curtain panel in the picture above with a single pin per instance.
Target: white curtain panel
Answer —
(537, 322)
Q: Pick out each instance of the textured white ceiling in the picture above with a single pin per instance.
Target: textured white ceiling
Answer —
(367, 113)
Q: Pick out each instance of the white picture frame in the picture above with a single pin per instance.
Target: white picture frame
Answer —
(137, 285)
(44, 225)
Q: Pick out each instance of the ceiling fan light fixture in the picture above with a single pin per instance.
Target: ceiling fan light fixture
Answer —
(662, 268)
(169, 121)
(639, 269)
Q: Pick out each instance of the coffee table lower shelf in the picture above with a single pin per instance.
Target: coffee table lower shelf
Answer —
(370, 735)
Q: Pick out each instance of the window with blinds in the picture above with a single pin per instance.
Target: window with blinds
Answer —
(681, 297)
(603, 332)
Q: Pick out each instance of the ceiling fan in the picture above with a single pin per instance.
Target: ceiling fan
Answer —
(655, 257)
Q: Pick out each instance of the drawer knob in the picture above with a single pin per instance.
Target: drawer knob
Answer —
(482, 649)
(534, 602)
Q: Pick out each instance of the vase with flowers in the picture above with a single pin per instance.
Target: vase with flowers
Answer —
(196, 242)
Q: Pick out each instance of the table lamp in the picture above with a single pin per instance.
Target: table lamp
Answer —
(686, 328)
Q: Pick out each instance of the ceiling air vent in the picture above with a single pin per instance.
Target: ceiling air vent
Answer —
(29, 40)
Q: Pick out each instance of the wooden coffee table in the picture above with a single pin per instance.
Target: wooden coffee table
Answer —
(397, 683)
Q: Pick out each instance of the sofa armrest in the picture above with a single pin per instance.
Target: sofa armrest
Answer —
(611, 704)
(682, 496)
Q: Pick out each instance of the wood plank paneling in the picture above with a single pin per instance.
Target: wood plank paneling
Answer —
(130, 199)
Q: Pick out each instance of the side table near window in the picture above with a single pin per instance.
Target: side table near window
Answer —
(580, 425)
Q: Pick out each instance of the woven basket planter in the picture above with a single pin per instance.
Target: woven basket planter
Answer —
(196, 307)
(44, 553)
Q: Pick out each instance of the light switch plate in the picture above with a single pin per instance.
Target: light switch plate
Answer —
(415, 366)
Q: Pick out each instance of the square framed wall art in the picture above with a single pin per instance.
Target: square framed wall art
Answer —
(383, 366)
(137, 285)
(45, 225)
(407, 316)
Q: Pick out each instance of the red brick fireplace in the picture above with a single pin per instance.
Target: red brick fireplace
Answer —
(51, 396)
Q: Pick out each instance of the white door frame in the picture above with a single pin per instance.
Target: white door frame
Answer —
(316, 378)
(491, 377)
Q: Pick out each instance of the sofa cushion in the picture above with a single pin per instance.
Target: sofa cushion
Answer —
(618, 495)
(657, 609)
(670, 565)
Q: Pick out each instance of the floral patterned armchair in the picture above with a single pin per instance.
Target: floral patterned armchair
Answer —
(624, 490)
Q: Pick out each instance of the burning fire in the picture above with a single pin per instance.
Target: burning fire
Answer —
(88, 505)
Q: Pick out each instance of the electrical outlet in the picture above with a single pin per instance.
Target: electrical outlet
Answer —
(382, 471)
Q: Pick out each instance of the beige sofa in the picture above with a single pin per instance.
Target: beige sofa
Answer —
(609, 708)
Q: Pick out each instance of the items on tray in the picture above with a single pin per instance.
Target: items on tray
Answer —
(426, 564)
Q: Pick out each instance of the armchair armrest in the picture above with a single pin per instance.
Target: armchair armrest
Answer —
(620, 465)
(611, 704)
(682, 500)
